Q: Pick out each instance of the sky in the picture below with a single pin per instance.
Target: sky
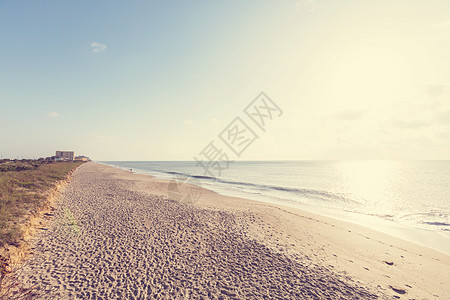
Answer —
(162, 80)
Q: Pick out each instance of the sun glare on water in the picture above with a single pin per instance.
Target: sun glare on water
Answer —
(371, 182)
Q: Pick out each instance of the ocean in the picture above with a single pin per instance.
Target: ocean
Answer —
(415, 194)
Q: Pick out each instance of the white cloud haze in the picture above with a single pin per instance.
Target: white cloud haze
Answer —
(53, 114)
(97, 47)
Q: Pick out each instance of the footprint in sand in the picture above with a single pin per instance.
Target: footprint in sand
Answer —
(398, 290)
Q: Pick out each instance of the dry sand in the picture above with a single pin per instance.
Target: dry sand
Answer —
(115, 235)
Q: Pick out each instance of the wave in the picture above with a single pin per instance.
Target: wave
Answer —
(257, 188)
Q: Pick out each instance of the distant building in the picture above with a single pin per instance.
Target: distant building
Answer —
(53, 158)
(82, 158)
(64, 155)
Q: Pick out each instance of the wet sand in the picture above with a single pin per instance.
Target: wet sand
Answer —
(116, 235)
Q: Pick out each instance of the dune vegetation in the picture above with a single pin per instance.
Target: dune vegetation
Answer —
(24, 186)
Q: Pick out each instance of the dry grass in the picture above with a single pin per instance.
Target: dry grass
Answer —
(10, 286)
(24, 186)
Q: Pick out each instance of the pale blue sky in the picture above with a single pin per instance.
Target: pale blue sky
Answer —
(159, 80)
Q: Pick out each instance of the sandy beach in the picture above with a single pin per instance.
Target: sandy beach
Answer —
(116, 235)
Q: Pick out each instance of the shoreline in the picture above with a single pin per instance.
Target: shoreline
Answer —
(436, 240)
(127, 228)
(358, 251)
